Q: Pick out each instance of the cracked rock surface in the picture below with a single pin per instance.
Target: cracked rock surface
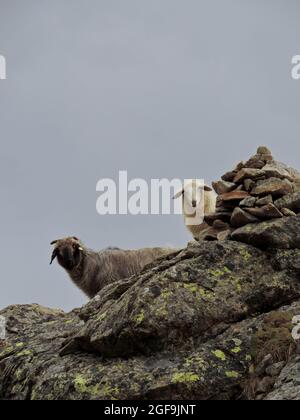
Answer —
(214, 321)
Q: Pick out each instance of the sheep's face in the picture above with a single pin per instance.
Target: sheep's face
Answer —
(193, 197)
(68, 252)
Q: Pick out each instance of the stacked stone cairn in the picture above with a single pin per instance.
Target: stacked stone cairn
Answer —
(256, 191)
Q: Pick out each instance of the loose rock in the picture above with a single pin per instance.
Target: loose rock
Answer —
(222, 187)
(255, 163)
(241, 218)
(287, 212)
(280, 233)
(290, 201)
(249, 184)
(264, 150)
(277, 170)
(234, 196)
(223, 215)
(266, 212)
(275, 187)
(248, 173)
(264, 201)
(229, 176)
(248, 202)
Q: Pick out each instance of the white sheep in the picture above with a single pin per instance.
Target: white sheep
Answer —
(199, 200)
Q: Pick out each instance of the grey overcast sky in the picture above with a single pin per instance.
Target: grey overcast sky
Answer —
(161, 88)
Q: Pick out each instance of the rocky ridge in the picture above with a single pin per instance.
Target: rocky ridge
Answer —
(219, 320)
(213, 321)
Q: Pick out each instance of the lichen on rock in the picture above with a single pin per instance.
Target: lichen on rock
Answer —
(196, 326)
(213, 321)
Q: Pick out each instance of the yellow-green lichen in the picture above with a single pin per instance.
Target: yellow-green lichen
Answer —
(206, 295)
(236, 282)
(102, 316)
(245, 254)
(236, 350)
(220, 272)
(192, 287)
(140, 317)
(46, 311)
(165, 294)
(230, 280)
(82, 386)
(225, 277)
(110, 393)
(237, 341)
(70, 321)
(195, 361)
(19, 374)
(162, 311)
(232, 374)
(33, 395)
(185, 377)
(219, 354)
(8, 350)
(25, 353)
(201, 293)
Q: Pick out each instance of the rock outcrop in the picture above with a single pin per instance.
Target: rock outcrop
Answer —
(217, 320)
(214, 321)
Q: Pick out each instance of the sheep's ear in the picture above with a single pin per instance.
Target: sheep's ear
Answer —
(207, 188)
(178, 194)
(54, 255)
(54, 242)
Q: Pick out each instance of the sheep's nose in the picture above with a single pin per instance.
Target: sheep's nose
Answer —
(194, 203)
